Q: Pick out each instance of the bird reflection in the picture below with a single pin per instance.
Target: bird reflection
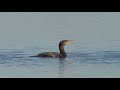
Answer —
(62, 67)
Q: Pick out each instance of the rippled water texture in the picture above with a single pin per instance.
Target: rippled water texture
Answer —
(17, 63)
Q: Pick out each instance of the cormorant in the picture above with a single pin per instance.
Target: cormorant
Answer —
(62, 53)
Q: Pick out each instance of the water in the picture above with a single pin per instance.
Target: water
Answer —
(94, 53)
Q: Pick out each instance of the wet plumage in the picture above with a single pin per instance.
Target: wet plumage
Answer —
(48, 54)
(62, 53)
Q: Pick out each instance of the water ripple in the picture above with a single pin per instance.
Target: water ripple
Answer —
(21, 58)
(107, 57)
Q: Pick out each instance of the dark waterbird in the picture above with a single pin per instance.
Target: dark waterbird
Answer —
(62, 53)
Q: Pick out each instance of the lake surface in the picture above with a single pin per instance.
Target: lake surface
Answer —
(94, 53)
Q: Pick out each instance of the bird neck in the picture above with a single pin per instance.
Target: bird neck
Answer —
(62, 51)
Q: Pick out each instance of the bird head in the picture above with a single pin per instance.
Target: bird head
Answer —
(66, 42)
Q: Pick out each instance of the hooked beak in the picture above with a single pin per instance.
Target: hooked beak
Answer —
(69, 41)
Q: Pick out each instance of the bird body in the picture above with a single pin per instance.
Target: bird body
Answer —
(49, 54)
(62, 53)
